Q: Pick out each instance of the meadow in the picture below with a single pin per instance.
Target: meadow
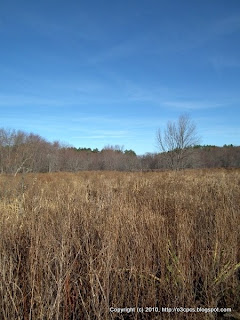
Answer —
(81, 245)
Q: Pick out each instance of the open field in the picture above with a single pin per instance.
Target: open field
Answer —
(74, 245)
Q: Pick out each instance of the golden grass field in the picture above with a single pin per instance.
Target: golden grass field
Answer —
(74, 245)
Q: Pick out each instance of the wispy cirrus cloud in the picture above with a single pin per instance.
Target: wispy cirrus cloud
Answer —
(79, 24)
(27, 100)
(226, 25)
(192, 105)
(223, 62)
(119, 50)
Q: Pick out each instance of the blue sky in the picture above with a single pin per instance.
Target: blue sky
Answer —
(93, 73)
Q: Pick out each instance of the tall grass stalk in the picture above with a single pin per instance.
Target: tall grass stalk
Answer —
(74, 245)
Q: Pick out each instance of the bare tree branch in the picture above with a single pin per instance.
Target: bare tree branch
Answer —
(177, 139)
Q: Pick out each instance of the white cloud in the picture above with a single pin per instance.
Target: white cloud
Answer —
(227, 25)
(192, 105)
(26, 100)
(221, 62)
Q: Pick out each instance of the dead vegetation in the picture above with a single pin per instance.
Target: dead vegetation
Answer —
(74, 245)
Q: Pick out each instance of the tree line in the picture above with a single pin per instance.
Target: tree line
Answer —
(22, 152)
(28, 152)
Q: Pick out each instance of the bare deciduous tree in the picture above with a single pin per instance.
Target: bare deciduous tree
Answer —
(176, 141)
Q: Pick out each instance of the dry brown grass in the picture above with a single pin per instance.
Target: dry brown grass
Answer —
(74, 245)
